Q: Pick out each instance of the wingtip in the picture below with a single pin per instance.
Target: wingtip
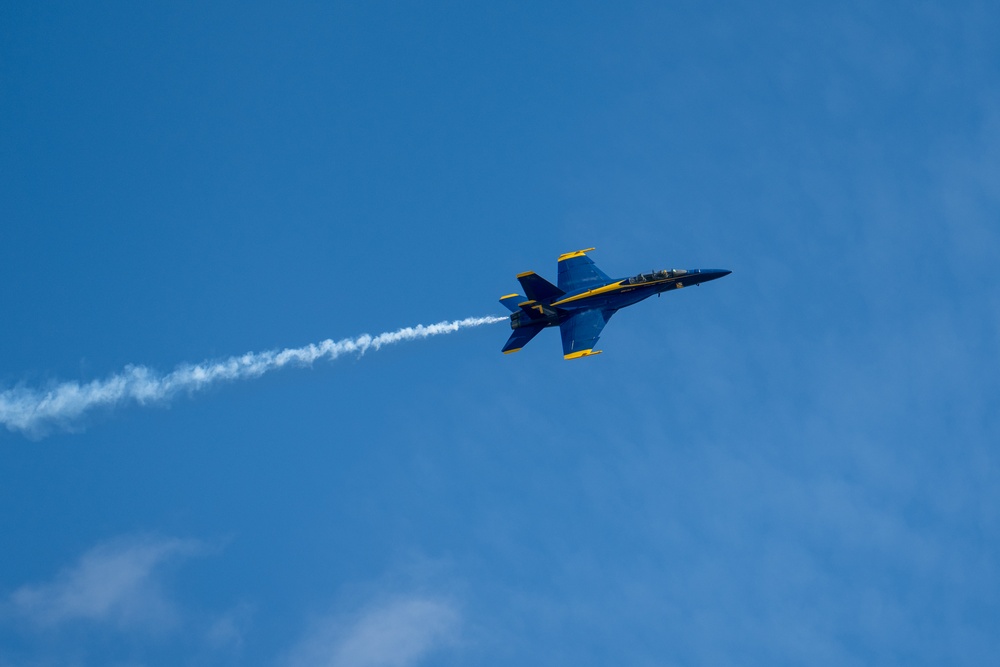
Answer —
(582, 353)
(575, 253)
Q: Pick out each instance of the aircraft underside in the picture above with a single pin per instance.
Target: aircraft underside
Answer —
(584, 300)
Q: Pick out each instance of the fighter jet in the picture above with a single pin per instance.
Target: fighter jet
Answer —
(585, 300)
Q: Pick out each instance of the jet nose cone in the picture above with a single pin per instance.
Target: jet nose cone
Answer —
(715, 274)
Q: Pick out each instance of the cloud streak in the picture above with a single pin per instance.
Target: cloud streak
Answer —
(115, 582)
(36, 412)
(399, 633)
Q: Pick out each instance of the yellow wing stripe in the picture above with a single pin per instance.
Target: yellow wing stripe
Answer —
(507, 296)
(526, 273)
(575, 253)
(582, 353)
(511, 351)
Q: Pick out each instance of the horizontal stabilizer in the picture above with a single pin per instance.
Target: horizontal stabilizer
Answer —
(538, 288)
(519, 338)
(510, 302)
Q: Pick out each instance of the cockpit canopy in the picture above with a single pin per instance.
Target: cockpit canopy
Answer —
(656, 275)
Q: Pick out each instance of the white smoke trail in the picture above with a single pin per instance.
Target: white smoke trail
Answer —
(34, 411)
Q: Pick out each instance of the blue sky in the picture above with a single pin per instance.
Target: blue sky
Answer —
(797, 464)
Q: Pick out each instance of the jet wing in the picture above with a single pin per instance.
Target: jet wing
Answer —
(581, 331)
(576, 270)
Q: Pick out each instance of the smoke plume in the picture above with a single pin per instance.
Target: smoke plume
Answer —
(36, 411)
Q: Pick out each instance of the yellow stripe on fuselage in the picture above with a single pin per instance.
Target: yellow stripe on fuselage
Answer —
(593, 292)
(621, 285)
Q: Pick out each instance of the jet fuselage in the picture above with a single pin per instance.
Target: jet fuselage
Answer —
(615, 294)
(584, 300)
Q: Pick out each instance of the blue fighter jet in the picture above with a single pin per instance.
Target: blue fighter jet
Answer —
(585, 300)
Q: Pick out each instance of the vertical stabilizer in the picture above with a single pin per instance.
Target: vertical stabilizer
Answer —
(538, 288)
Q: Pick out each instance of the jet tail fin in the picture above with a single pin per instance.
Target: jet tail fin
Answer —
(538, 288)
(510, 302)
(519, 338)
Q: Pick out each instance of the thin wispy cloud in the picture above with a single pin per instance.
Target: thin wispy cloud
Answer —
(399, 633)
(116, 582)
(229, 630)
(38, 411)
